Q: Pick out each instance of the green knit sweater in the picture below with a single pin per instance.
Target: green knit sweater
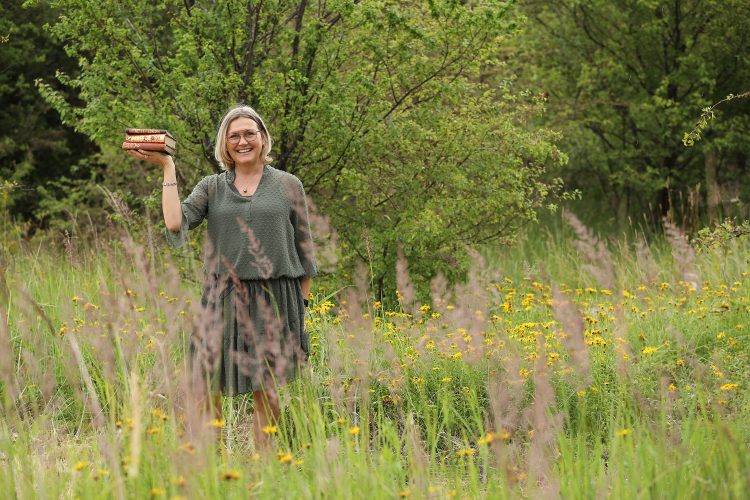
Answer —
(263, 236)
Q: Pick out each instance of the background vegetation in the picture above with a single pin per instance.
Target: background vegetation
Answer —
(524, 354)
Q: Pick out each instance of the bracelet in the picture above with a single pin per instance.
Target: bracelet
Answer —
(165, 184)
(306, 302)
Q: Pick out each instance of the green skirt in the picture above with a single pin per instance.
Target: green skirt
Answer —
(252, 336)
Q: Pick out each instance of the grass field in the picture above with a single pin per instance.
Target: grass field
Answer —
(563, 368)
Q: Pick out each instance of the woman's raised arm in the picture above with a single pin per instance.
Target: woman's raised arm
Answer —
(170, 199)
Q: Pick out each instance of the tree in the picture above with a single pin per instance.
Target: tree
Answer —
(376, 106)
(37, 154)
(624, 79)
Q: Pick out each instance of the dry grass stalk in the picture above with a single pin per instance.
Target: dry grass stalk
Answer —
(325, 242)
(260, 261)
(439, 292)
(417, 456)
(682, 253)
(645, 258)
(404, 285)
(545, 426)
(506, 392)
(594, 250)
(566, 313)
(470, 315)
(360, 340)
(31, 371)
(136, 407)
(622, 348)
(6, 354)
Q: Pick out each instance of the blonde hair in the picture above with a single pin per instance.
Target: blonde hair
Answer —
(240, 111)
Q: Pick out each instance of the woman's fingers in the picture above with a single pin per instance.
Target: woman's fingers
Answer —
(148, 156)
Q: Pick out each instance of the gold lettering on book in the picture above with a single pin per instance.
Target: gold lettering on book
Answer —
(146, 138)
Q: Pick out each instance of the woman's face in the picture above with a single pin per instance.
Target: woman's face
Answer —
(244, 141)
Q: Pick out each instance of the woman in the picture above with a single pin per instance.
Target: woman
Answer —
(259, 264)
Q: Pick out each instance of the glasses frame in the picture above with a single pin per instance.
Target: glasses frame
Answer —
(248, 135)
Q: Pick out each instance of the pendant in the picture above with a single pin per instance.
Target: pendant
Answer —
(244, 190)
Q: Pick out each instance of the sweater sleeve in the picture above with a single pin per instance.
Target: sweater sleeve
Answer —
(194, 210)
(303, 241)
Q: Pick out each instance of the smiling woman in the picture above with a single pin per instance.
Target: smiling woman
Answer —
(258, 268)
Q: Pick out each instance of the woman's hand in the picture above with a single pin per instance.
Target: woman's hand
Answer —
(154, 157)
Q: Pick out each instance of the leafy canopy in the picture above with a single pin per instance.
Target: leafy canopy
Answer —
(378, 106)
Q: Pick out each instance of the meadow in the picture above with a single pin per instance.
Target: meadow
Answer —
(566, 366)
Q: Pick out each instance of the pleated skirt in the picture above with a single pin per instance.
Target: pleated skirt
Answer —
(261, 324)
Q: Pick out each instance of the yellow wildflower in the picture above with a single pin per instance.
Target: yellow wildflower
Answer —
(465, 452)
(230, 475)
(354, 431)
(270, 429)
(729, 387)
(487, 438)
(623, 432)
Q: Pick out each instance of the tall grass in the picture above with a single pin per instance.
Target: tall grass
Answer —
(533, 379)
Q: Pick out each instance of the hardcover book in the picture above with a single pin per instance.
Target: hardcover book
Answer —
(145, 131)
(149, 146)
(149, 139)
(157, 138)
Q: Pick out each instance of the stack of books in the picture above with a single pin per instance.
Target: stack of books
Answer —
(149, 139)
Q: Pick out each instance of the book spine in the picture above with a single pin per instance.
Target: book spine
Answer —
(141, 131)
(149, 146)
(146, 138)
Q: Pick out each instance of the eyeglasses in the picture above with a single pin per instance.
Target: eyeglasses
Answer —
(249, 136)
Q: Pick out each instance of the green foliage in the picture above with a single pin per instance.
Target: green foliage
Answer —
(624, 80)
(721, 235)
(379, 107)
(709, 113)
(37, 153)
